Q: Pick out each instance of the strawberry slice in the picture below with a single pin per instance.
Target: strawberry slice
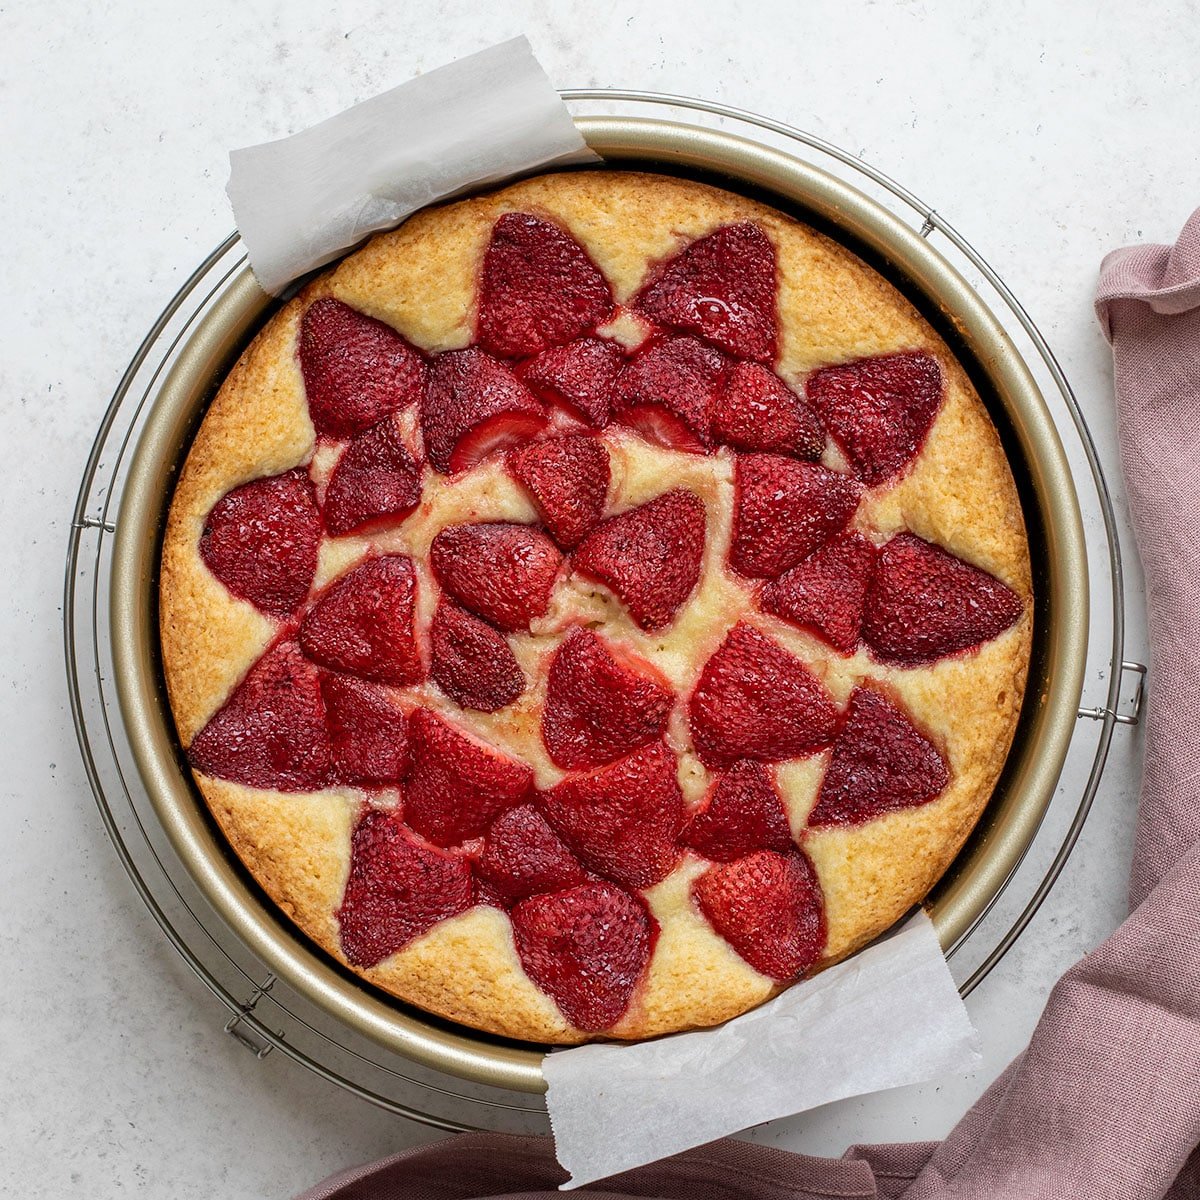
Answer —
(925, 604)
(471, 661)
(880, 764)
(721, 287)
(649, 556)
(399, 887)
(784, 510)
(568, 479)
(743, 813)
(587, 948)
(769, 908)
(261, 541)
(755, 700)
(475, 406)
(458, 784)
(667, 392)
(375, 482)
(502, 573)
(270, 733)
(577, 378)
(879, 409)
(356, 369)
(538, 288)
(623, 820)
(368, 733)
(826, 591)
(523, 856)
(757, 411)
(600, 704)
(364, 623)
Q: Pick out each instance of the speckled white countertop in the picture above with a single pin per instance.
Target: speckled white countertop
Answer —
(1049, 133)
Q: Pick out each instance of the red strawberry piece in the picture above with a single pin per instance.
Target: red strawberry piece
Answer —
(270, 733)
(826, 591)
(879, 409)
(721, 287)
(473, 407)
(784, 510)
(568, 479)
(743, 813)
(757, 411)
(769, 908)
(364, 623)
(502, 573)
(375, 481)
(356, 369)
(578, 377)
(458, 784)
(399, 887)
(623, 820)
(755, 700)
(471, 661)
(523, 856)
(261, 541)
(925, 604)
(600, 703)
(587, 948)
(538, 288)
(880, 763)
(667, 391)
(368, 732)
(649, 556)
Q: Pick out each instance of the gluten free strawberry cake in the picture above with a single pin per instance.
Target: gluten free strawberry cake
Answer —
(594, 606)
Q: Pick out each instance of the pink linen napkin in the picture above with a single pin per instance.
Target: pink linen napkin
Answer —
(1105, 1102)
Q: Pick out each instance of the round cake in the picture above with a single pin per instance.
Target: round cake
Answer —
(594, 606)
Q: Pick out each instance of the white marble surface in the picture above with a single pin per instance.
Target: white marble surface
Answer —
(1048, 133)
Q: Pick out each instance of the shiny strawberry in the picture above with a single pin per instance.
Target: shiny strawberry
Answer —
(784, 510)
(587, 948)
(523, 856)
(475, 406)
(879, 409)
(399, 887)
(769, 908)
(458, 784)
(622, 820)
(600, 703)
(356, 369)
(375, 482)
(755, 700)
(270, 733)
(364, 623)
(925, 604)
(538, 288)
(261, 541)
(721, 287)
(568, 480)
(471, 661)
(502, 573)
(743, 813)
(650, 556)
(578, 378)
(368, 732)
(880, 763)
(826, 591)
(756, 411)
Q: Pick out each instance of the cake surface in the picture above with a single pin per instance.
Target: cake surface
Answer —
(595, 605)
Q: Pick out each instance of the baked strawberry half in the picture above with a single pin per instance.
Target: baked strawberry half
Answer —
(756, 411)
(522, 856)
(368, 732)
(743, 813)
(471, 661)
(261, 541)
(502, 573)
(578, 378)
(650, 556)
(568, 479)
(755, 700)
(356, 369)
(375, 482)
(537, 288)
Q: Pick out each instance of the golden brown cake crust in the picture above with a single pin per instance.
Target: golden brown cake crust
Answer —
(960, 494)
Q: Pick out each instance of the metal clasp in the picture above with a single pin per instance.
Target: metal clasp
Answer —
(1134, 715)
(255, 1044)
(94, 523)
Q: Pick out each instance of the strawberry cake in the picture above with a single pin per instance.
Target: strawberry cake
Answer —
(594, 606)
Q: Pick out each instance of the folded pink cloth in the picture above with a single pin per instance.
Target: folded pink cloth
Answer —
(1105, 1102)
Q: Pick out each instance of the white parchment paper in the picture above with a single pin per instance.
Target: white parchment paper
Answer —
(302, 201)
(890, 1015)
